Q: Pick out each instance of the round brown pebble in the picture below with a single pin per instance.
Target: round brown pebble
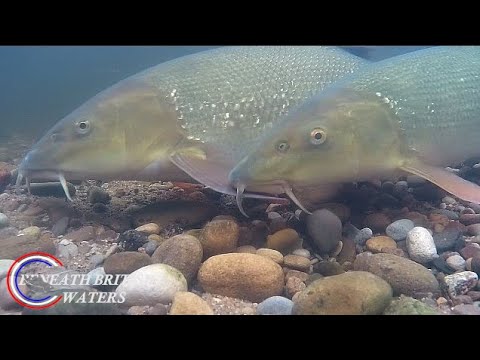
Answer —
(187, 303)
(293, 286)
(285, 241)
(296, 262)
(303, 276)
(271, 254)
(378, 222)
(378, 243)
(244, 276)
(219, 237)
(150, 229)
(125, 262)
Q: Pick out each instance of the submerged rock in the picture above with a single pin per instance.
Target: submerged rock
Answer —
(187, 303)
(325, 228)
(409, 306)
(275, 305)
(351, 293)
(245, 276)
(405, 276)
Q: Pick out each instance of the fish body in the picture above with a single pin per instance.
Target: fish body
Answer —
(191, 118)
(416, 112)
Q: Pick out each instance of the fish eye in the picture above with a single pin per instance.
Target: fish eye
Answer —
(318, 136)
(282, 146)
(83, 127)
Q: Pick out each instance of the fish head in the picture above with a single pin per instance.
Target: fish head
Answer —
(336, 137)
(120, 131)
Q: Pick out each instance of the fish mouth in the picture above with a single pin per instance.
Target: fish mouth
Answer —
(44, 175)
(278, 187)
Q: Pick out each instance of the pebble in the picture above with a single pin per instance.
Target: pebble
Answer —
(362, 236)
(32, 232)
(474, 295)
(132, 240)
(245, 276)
(150, 247)
(378, 243)
(157, 238)
(284, 241)
(275, 305)
(448, 237)
(83, 234)
(183, 252)
(468, 219)
(302, 252)
(126, 262)
(98, 272)
(473, 229)
(246, 249)
(4, 267)
(152, 284)
(293, 286)
(158, 309)
(303, 276)
(474, 207)
(348, 252)
(6, 300)
(405, 276)
(456, 262)
(449, 200)
(96, 195)
(3, 220)
(16, 246)
(460, 283)
(150, 229)
(466, 310)
(271, 254)
(187, 303)
(60, 226)
(138, 310)
(328, 268)
(96, 260)
(67, 249)
(470, 251)
(405, 305)
(475, 265)
(378, 222)
(325, 228)
(451, 215)
(351, 293)
(277, 224)
(420, 245)
(296, 262)
(399, 229)
(219, 237)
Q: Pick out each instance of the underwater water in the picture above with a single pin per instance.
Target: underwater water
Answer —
(129, 198)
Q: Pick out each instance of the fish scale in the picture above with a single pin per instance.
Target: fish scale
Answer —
(434, 106)
(245, 90)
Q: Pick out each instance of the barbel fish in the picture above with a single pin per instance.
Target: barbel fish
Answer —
(189, 119)
(414, 113)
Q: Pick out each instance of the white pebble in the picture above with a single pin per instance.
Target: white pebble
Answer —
(456, 262)
(420, 245)
(460, 283)
(302, 252)
(449, 200)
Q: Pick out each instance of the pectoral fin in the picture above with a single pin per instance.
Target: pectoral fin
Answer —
(210, 167)
(448, 181)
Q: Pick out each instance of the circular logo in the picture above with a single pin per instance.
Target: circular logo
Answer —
(15, 272)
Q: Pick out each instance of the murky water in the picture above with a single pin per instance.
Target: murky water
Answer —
(199, 254)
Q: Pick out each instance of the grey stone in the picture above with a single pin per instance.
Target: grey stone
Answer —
(399, 229)
(275, 305)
